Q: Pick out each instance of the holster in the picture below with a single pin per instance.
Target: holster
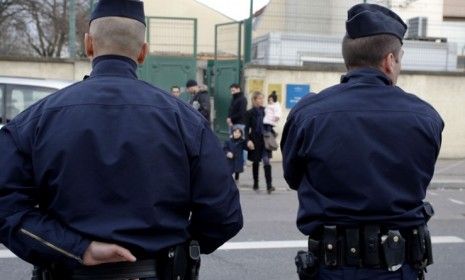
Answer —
(39, 273)
(181, 263)
(420, 247)
(307, 261)
(419, 243)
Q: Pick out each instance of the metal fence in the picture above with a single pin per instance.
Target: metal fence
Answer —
(171, 36)
(229, 41)
(299, 32)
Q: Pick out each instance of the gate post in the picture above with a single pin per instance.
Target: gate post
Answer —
(248, 36)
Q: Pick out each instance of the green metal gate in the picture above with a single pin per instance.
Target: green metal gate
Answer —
(173, 52)
(225, 70)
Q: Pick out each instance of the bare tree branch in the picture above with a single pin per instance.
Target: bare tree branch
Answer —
(43, 24)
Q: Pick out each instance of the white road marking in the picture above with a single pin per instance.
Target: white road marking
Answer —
(457, 201)
(264, 245)
(286, 244)
(432, 193)
(303, 243)
(446, 239)
(6, 254)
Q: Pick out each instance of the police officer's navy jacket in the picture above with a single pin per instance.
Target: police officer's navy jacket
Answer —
(361, 152)
(117, 160)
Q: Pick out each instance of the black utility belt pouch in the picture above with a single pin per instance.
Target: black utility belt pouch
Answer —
(393, 248)
(371, 245)
(330, 246)
(352, 249)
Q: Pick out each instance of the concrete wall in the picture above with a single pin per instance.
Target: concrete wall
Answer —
(445, 92)
(58, 69)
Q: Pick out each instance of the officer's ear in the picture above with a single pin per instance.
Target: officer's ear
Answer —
(389, 63)
(392, 62)
(143, 53)
(89, 46)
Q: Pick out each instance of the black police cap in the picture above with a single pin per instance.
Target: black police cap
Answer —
(133, 9)
(370, 19)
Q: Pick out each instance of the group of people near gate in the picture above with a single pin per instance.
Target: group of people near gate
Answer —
(113, 178)
(252, 133)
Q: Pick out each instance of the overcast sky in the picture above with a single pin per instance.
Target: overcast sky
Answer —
(236, 9)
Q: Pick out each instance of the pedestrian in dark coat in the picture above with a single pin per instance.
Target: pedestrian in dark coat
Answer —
(234, 148)
(113, 170)
(237, 108)
(200, 99)
(257, 152)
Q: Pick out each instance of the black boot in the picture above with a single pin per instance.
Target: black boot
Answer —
(255, 166)
(236, 176)
(269, 186)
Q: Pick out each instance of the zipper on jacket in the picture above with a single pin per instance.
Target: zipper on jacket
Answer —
(50, 245)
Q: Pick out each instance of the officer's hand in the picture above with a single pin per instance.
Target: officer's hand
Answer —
(229, 155)
(229, 122)
(99, 253)
(250, 145)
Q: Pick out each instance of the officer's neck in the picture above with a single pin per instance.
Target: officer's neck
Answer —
(104, 53)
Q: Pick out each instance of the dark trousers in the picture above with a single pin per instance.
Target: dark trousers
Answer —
(267, 170)
(406, 272)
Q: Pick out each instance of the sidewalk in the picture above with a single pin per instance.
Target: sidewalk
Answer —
(449, 173)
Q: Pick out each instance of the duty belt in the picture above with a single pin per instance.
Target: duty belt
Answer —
(373, 247)
(181, 261)
(117, 271)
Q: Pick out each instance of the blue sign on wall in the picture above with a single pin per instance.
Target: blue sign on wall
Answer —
(294, 93)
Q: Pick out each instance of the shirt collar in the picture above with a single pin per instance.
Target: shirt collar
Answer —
(114, 65)
(366, 75)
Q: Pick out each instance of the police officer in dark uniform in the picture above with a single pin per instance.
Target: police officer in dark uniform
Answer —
(112, 178)
(361, 155)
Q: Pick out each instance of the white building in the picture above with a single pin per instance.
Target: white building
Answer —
(290, 32)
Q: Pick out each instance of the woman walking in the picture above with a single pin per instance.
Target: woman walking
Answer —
(254, 129)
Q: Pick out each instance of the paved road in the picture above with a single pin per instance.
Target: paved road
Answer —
(449, 173)
(272, 218)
